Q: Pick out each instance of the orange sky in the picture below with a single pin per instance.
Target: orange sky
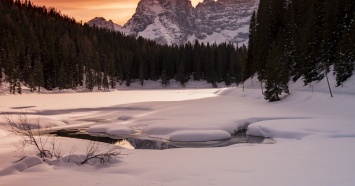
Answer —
(119, 11)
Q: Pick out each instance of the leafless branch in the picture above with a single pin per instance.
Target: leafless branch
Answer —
(97, 151)
(32, 135)
(71, 152)
(47, 147)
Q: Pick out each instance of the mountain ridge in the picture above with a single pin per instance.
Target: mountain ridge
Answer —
(101, 22)
(176, 22)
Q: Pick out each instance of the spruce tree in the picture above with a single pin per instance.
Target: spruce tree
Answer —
(249, 69)
(197, 61)
(105, 82)
(112, 72)
(263, 37)
(277, 74)
(292, 39)
(141, 74)
(313, 63)
(345, 59)
(18, 87)
(38, 74)
(62, 77)
(1, 63)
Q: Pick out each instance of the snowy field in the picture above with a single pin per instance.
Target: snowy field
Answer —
(314, 134)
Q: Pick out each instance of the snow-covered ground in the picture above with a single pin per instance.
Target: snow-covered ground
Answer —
(314, 134)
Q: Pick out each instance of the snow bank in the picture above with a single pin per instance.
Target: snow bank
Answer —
(303, 128)
(200, 135)
(278, 129)
(315, 86)
(23, 165)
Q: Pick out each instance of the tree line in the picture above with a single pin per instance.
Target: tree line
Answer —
(40, 47)
(290, 39)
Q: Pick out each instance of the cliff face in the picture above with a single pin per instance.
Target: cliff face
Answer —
(165, 21)
(224, 20)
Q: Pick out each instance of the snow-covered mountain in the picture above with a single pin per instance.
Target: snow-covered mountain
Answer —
(101, 22)
(224, 20)
(177, 21)
(165, 21)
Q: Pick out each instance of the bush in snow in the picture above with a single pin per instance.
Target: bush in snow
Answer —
(48, 149)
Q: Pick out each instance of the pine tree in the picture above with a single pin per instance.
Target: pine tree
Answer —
(38, 74)
(11, 72)
(165, 79)
(105, 83)
(2, 59)
(18, 87)
(292, 38)
(250, 65)
(112, 73)
(197, 61)
(277, 75)
(345, 59)
(141, 74)
(181, 77)
(331, 33)
(62, 77)
(313, 64)
(263, 37)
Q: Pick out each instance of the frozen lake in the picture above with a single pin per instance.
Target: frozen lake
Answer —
(313, 137)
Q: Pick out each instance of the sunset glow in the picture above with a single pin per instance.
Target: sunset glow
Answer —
(119, 11)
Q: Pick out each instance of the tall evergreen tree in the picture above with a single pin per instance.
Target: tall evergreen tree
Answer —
(313, 63)
(250, 65)
(345, 59)
(38, 74)
(263, 37)
(277, 74)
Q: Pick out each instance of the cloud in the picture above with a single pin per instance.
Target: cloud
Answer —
(84, 10)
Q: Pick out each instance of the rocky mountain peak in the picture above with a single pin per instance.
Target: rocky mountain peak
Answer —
(165, 21)
(227, 20)
(177, 21)
(101, 22)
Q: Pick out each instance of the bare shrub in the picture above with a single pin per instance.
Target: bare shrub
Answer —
(32, 135)
(47, 147)
(71, 152)
(102, 153)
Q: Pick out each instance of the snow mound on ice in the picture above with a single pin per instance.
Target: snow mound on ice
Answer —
(23, 165)
(199, 135)
(111, 129)
(278, 129)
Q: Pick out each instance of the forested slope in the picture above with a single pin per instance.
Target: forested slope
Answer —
(40, 47)
(301, 38)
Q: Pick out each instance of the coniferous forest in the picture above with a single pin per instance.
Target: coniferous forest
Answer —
(40, 47)
(290, 39)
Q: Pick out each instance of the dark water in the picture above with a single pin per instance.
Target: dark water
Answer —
(145, 142)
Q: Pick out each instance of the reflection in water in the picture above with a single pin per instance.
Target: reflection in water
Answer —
(144, 142)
